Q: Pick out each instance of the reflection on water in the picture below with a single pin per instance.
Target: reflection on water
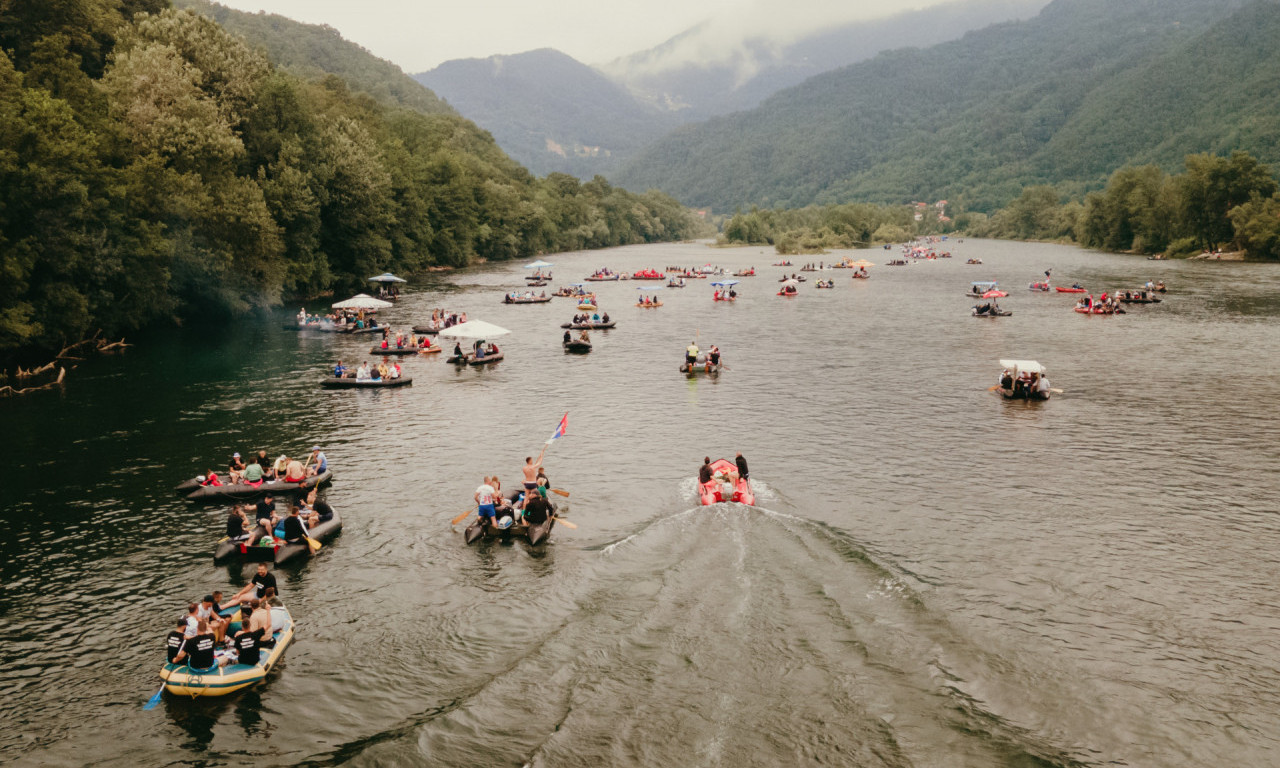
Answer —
(934, 576)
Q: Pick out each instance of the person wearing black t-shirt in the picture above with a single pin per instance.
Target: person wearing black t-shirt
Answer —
(236, 524)
(247, 643)
(294, 530)
(536, 511)
(197, 652)
(742, 467)
(266, 510)
(173, 643)
(261, 580)
(704, 472)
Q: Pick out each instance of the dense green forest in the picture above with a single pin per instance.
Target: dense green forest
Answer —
(1062, 99)
(815, 229)
(155, 166)
(1216, 203)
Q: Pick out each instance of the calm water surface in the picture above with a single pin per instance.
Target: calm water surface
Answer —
(934, 577)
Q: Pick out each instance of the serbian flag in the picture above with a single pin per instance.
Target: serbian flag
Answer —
(560, 430)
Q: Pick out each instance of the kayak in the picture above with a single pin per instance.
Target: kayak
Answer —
(279, 552)
(592, 326)
(182, 680)
(534, 534)
(333, 382)
(242, 491)
(394, 351)
(714, 491)
(577, 345)
(1060, 289)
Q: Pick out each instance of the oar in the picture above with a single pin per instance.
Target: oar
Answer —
(1055, 390)
(315, 545)
(560, 492)
(154, 700)
(993, 389)
(460, 517)
(564, 522)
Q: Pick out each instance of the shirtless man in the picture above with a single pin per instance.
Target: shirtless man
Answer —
(530, 470)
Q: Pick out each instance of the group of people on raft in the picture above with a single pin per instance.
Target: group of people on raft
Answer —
(726, 293)
(480, 349)
(292, 528)
(1106, 304)
(261, 469)
(691, 355)
(366, 372)
(648, 300)
(1026, 384)
(400, 341)
(200, 640)
(595, 317)
(530, 507)
(354, 319)
(442, 318)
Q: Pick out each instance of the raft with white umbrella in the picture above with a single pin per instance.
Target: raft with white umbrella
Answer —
(362, 301)
(477, 330)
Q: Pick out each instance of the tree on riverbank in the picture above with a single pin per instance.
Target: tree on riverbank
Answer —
(1218, 201)
(154, 166)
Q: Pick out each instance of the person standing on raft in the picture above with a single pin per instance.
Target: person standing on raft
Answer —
(691, 355)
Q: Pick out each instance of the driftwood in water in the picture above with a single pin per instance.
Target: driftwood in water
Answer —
(95, 344)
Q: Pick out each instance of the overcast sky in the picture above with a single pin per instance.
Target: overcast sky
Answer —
(419, 34)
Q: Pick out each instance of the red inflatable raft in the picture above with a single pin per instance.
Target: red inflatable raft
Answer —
(712, 492)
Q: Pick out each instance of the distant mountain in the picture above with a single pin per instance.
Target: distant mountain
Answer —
(548, 110)
(1064, 98)
(554, 113)
(312, 51)
(704, 71)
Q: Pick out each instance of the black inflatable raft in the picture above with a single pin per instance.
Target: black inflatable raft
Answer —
(241, 491)
(428, 330)
(334, 382)
(700, 367)
(590, 326)
(534, 534)
(992, 313)
(394, 351)
(577, 346)
(526, 299)
(470, 359)
(281, 552)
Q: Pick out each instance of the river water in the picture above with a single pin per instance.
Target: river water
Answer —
(933, 577)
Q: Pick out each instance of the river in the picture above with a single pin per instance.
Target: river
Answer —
(933, 576)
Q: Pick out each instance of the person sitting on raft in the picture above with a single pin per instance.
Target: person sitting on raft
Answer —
(604, 318)
(235, 467)
(210, 478)
(237, 525)
(536, 510)
(362, 373)
(568, 337)
(1006, 380)
(704, 472)
(197, 652)
(253, 474)
(295, 531)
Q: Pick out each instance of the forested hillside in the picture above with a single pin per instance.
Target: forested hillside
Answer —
(312, 51)
(1064, 98)
(157, 166)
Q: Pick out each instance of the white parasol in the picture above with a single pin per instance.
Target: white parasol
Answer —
(362, 301)
(474, 329)
(539, 264)
(789, 281)
(387, 277)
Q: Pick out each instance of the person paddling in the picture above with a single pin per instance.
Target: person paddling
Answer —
(691, 354)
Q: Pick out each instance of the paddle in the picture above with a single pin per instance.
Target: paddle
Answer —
(460, 517)
(993, 389)
(564, 522)
(1055, 390)
(154, 700)
(560, 492)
